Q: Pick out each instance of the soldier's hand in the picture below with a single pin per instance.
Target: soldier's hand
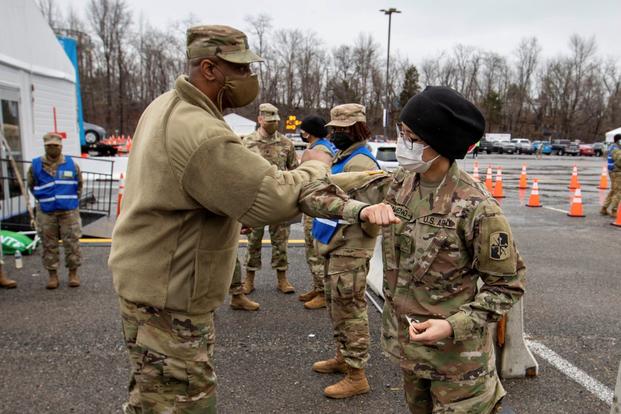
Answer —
(380, 214)
(245, 230)
(430, 331)
(311, 154)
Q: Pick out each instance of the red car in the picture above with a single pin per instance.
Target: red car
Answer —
(587, 149)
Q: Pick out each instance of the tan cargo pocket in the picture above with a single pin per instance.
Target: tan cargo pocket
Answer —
(212, 276)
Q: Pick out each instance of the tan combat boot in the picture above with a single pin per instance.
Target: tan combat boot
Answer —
(52, 282)
(248, 284)
(603, 211)
(5, 282)
(283, 284)
(305, 297)
(74, 279)
(334, 365)
(241, 302)
(317, 302)
(354, 383)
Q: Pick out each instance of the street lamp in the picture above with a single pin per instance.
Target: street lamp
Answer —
(389, 12)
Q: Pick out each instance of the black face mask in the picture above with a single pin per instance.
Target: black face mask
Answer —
(304, 137)
(342, 140)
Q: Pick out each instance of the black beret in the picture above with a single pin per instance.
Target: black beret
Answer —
(314, 125)
(445, 120)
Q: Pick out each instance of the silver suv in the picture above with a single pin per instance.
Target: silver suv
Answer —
(523, 145)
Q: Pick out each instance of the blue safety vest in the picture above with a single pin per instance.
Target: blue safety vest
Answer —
(328, 144)
(59, 193)
(611, 163)
(324, 229)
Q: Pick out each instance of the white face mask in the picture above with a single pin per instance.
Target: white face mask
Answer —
(412, 159)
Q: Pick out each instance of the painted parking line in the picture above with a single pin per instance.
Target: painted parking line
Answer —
(591, 384)
(241, 241)
(565, 367)
(556, 209)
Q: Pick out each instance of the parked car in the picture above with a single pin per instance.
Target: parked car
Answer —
(547, 147)
(523, 145)
(573, 149)
(297, 141)
(587, 150)
(486, 146)
(599, 148)
(93, 133)
(506, 147)
(559, 146)
(386, 154)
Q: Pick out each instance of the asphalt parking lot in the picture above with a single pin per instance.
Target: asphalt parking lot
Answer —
(62, 352)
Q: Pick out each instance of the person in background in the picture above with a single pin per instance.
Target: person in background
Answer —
(56, 182)
(278, 150)
(314, 132)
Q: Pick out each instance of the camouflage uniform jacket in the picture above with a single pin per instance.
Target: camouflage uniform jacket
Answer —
(433, 260)
(277, 149)
(50, 167)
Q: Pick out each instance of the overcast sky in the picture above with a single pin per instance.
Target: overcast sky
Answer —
(423, 29)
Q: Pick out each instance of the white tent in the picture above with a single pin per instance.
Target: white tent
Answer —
(611, 134)
(240, 125)
(36, 76)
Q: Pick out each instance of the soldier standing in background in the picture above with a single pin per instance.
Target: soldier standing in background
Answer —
(452, 235)
(5, 282)
(614, 170)
(239, 300)
(56, 182)
(314, 132)
(347, 250)
(278, 150)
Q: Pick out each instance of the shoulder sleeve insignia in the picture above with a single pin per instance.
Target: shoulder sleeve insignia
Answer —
(499, 246)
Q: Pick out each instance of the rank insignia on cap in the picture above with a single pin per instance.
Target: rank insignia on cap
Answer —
(499, 246)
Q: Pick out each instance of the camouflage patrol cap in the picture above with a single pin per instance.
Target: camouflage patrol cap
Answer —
(224, 42)
(269, 112)
(52, 138)
(346, 115)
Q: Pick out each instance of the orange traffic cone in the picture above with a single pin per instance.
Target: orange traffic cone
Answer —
(575, 208)
(617, 222)
(488, 180)
(523, 178)
(533, 200)
(498, 192)
(475, 171)
(603, 181)
(573, 182)
(120, 195)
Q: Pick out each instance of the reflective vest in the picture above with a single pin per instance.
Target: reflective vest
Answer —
(59, 193)
(611, 163)
(328, 144)
(324, 229)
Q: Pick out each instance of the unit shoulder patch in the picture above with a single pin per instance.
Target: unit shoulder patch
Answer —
(499, 246)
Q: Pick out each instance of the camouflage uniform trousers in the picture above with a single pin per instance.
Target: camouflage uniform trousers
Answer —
(65, 226)
(171, 359)
(236, 287)
(614, 196)
(476, 396)
(315, 261)
(345, 286)
(279, 236)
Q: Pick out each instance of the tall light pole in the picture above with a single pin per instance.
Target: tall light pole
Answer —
(389, 12)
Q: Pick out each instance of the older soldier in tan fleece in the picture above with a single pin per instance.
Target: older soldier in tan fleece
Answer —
(190, 182)
(452, 235)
